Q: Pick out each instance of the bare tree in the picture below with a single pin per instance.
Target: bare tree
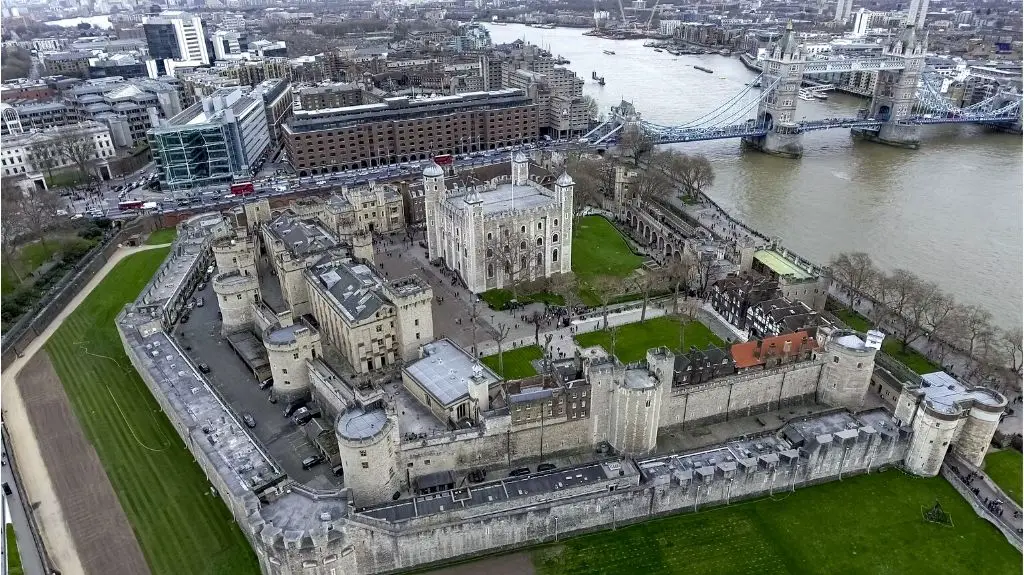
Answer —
(1013, 351)
(43, 157)
(896, 290)
(686, 313)
(568, 287)
(78, 148)
(501, 332)
(913, 323)
(705, 271)
(39, 210)
(536, 318)
(12, 227)
(636, 143)
(653, 183)
(968, 325)
(605, 288)
(594, 180)
(650, 281)
(693, 172)
(679, 274)
(855, 271)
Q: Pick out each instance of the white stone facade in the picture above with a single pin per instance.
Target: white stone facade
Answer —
(510, 230)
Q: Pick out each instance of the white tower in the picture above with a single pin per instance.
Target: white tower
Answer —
(433, 192)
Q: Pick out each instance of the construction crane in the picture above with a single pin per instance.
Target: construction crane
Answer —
(623, 12)
(653, 12)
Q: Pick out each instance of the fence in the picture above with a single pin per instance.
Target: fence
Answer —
(52, 303)
(19, 484)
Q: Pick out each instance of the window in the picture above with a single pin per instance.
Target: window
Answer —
(522, 229)
(554, 255)
(417, 335)
(540, 241)
(426, 462)
(366, 465)
(540, 226)
(362, 453)
(835, 359)
(239, 296)
(284, 371)
(554, 238)
(295, 356)
(489, 237)
(416, 322)
(380, 328)
(490, 252)
(859, 365)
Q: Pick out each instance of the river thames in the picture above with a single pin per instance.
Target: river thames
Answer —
(949, 211)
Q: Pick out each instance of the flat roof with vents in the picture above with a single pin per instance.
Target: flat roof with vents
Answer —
(445, 371)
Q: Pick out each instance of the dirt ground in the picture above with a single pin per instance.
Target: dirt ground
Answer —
(102, 535)
(514, 564)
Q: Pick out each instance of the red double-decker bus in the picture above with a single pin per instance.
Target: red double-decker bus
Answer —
(129, 205)
(444, 160)
(242, 189)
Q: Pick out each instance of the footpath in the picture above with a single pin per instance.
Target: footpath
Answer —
(37, 483)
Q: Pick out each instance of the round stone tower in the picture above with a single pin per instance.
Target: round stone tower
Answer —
(288, 348)
(367, 440)
(979, 426)
(635, 411)
(233, 254)
(849, 361)
(934, 427)
(235, 294)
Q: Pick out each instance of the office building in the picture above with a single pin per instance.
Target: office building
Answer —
(222, 138)
(176, 39)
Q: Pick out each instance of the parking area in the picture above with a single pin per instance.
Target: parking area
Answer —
(285, 441)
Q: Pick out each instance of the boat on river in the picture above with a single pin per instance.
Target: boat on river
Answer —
(609, 52)
(703, 69)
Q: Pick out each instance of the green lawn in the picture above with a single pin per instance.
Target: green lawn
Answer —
(911, 358)
(867, 524)
(598, 249)
(1006, 468)
(517, 362)
(13, 557)
(499, 298)
(180, 526)
(162, 236)
(633, 340)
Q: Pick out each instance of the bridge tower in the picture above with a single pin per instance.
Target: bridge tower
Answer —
(896, 93)
(785, 64)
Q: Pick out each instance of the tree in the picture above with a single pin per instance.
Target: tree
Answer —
(969, 324)
(39, 210)
(653, 183)
(896, 291)
(705, 267)
(605, 288)
(922, 301)
(679, 274)
(536, 318)
(594, 179)
(855, 271)
(686, 313)
(567, 286)
(649, 281)
(694, 172)
(78, 148)
(1012, 342)
(41, 156)
(11, 227)
(501, 332)
(636, 143)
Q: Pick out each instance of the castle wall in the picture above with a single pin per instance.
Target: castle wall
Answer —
(382, 547)
(976, 434)
(933, 432)
(740, 395)
(371, 469)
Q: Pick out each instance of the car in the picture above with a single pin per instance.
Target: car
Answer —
(201, 286)
(249, 420)
(477, 475)
(293, 407)
(267, 383)
(312, 461)
(191, 304)
(184, 318)
(271, 397)
(338, 470)
(200, 302)
(546, 467)
(519, 472)
(209, 270)
(205, 368)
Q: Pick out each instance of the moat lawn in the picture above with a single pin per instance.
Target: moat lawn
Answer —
(517, 362)
(633, 340)
(13, 557)
(598, 249)
(500, 298)
(911, 358)
(867, 524)
(180, 526)
(162, 236)
(1005, 468)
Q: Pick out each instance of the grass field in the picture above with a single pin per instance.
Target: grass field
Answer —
(911, 358)
(1006, 468)
(634, 339)
(868, 524)
(598, 249)
(162, 236)
(181, 528)
(13, 557)
(499, 298)
(517, 362)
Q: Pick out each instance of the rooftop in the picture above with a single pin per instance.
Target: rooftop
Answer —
(446, 369)
(301, 236)
(782, 266)
(945, 394)
(358, 423)
(507, 197)
(355, 287)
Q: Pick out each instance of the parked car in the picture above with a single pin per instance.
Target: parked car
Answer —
(184, 318)
(338, 470)
(312, 461)
(249, 420)
(267, 383)
(477, 475)
(200, 302)
(204, 368)
(293, 407)
(546, 467)
(201, 286)
(519, 472)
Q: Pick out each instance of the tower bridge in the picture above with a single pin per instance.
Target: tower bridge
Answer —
(907, 95)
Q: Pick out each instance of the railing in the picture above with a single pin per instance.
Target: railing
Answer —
(19, 484)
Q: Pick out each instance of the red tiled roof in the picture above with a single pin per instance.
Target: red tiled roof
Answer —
(746, 354)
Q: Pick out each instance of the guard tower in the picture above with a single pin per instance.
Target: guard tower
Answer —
(784, 70)
(896, 93)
